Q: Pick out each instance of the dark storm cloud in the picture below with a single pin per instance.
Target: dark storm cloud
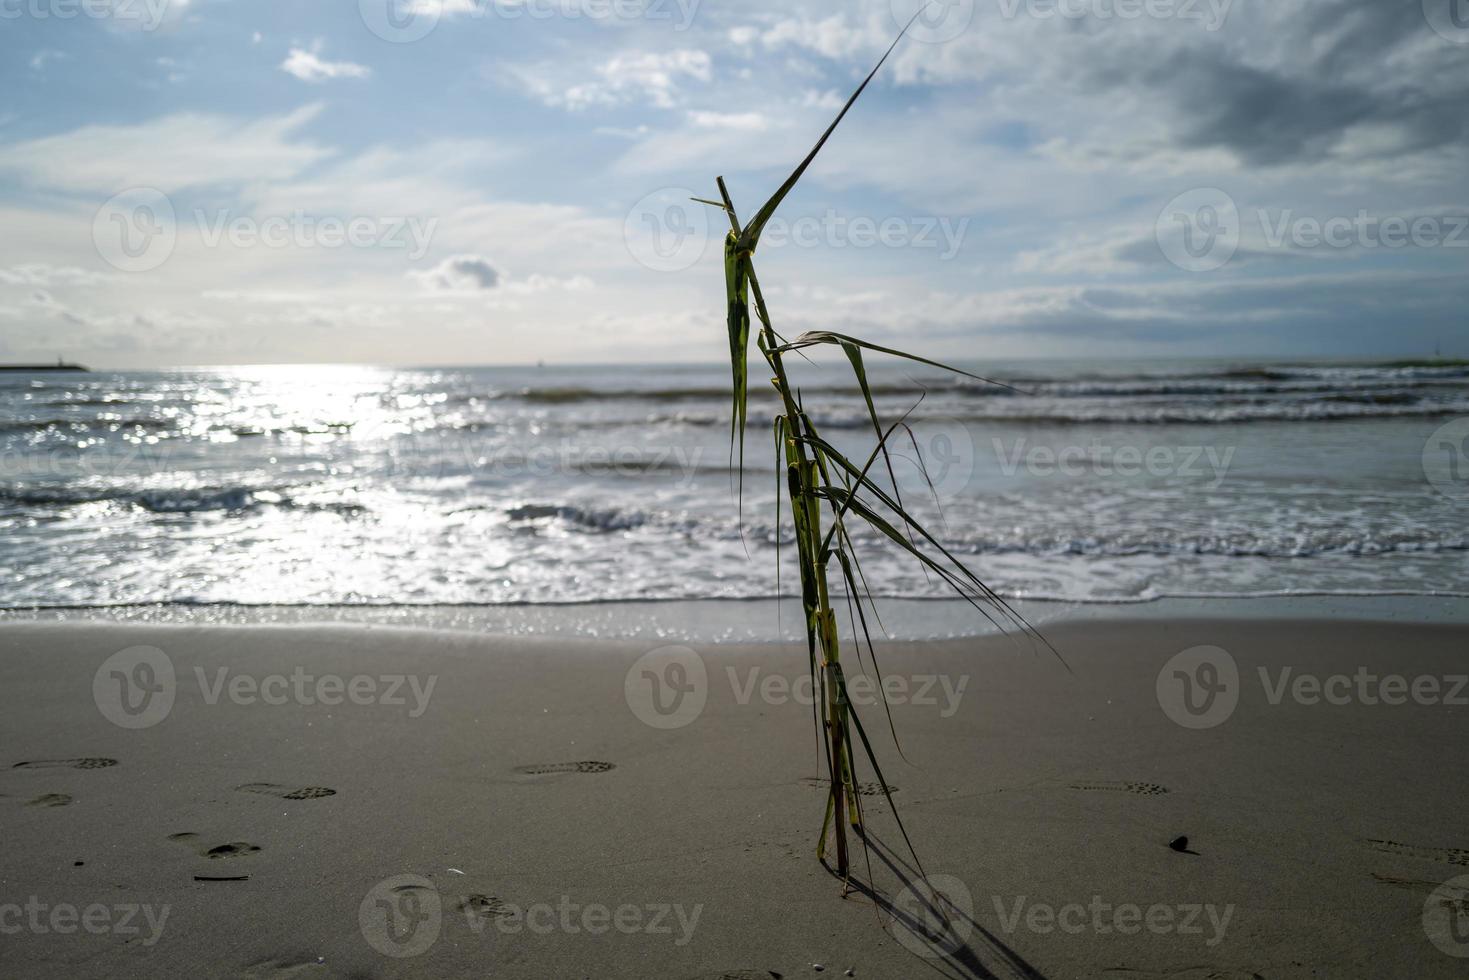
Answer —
(1336, 65)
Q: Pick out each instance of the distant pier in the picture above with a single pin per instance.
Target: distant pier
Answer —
(38, 368)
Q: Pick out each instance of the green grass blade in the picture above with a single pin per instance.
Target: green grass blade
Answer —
(751, 236)
(876, 768)
(737, 289)
(814, 337)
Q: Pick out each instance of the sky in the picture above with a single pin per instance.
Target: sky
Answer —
(440, 182)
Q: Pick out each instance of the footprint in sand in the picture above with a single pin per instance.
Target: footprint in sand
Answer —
(1444, 855)
(485, 906)
(1412, 884)
(1137, 789)
(237, 848)
(286, 792)
(51, 799)
(863, 789)
(1192, 973)
(283, 969)
(555, 767)
(67, 764)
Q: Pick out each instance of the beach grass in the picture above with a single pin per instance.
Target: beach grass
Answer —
(826, 493)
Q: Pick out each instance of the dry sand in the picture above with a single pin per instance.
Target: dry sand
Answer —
(519, 818)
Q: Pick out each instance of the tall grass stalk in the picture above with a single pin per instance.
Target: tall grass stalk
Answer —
(826, 492)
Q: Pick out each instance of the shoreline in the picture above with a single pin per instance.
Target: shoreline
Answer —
(753, 620)
(538, 808)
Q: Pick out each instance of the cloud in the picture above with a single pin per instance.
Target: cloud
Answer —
(309, 66)
(170, 153)
(748, 121)
(39, 274)
(639, 76)
(476, 274)
(460, 273)
(44, 57)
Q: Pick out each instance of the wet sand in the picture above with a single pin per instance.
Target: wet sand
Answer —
(340, 801)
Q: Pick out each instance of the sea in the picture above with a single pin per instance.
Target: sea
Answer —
(1107, 483)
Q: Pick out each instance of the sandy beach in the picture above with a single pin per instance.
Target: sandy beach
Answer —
(373, 802)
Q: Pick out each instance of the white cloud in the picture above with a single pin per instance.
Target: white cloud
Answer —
(651, 77)
(829, 99)
(747, 121)
(44, 57)
(831, 37)
(39, 274)
(170, 153)
(310, 67)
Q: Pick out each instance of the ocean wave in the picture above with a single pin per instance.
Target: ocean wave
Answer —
(170, 501)
(83, 424)
(1245, 381)
(605, 520)
(1338, 408)
(1291, 539)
